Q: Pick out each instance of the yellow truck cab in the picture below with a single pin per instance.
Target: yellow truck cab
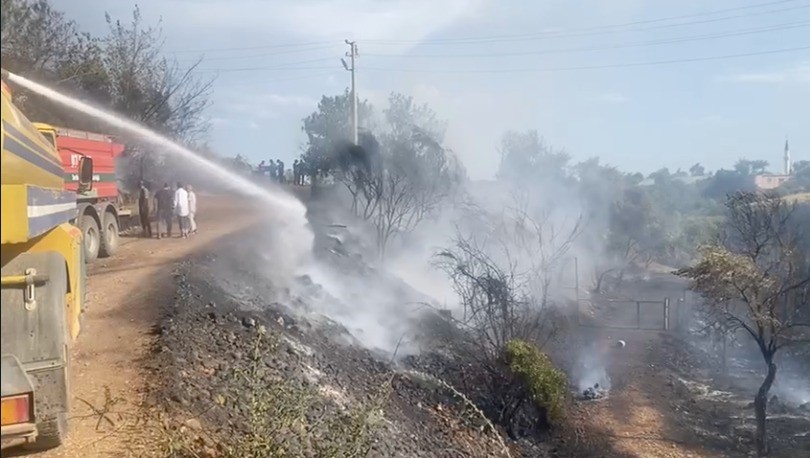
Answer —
(43, 287)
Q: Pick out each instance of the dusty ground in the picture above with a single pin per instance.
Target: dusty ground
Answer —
(126, 293)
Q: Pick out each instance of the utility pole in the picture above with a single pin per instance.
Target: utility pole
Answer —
(352, 54)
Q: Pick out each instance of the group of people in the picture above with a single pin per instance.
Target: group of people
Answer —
(275, 171)
(298, 172)
(180, 202)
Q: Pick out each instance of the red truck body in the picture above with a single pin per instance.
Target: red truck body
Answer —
(99, 210)
(72, 144)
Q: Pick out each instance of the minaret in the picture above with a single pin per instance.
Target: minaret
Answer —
(788, 165)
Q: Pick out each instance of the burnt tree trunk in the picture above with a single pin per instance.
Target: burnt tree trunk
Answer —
(761, 405)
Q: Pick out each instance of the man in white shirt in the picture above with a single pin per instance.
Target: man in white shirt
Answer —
(181, 209)
(192, 209)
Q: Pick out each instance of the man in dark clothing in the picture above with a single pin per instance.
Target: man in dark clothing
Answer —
(144, 210)
(280, 170)
(296, 173)
(271, 170)
(164, 201)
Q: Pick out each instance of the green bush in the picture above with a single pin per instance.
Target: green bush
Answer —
(546, 384)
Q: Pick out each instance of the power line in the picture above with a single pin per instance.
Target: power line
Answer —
(593, 67)
(774, 28)
(324, 44)
(255, 82)
(229, 70)
(258, 56)
(329, 44)
(591, 31)
(283, 66)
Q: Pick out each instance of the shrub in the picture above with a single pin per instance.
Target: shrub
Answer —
(546, 384)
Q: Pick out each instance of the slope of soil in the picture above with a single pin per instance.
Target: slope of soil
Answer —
(221, 346)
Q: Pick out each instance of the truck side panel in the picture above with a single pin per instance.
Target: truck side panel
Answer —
(34, 211)
(103, 155)
(33, 329)
(66, 240)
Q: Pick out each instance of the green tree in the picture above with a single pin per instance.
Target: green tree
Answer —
(40, 43)
(757, 282)
(328, 131)
(123, 71)
(697, 170)
(417, 172)
(726, 182)
(527, 159)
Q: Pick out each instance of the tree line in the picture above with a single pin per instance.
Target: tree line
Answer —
(746, 252)
(123, 70)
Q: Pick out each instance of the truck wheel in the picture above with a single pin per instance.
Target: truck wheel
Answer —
(109, 235)
(92, 237)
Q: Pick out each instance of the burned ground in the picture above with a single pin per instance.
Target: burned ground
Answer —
(232, 333)
(211, 362)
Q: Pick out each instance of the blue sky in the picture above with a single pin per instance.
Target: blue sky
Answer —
(487, 66)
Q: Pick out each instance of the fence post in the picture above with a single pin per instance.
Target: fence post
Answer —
(666, 314)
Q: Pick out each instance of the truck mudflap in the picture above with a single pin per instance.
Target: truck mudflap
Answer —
(18, 425)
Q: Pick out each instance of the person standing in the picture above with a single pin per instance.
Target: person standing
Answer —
(144, 210)
(280, 170)
(296, 172)
(181, 209)
(164, 202)
(192, 209)
(271, 170)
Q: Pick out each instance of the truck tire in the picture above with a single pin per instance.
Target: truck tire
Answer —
(91, 237)
(109, 235)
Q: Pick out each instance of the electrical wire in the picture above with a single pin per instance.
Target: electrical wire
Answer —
(539, 35)
(593, 67)
(774, 28)
(258, 56)
(281, 66)
(592, 31)
(322, 44)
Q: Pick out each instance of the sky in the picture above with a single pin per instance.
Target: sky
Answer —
(640, 84)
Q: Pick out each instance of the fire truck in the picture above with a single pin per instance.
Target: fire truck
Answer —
(43, 287)
(100, 209)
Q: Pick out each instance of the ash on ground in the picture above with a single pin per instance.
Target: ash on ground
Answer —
(250, 366)
(592, 393)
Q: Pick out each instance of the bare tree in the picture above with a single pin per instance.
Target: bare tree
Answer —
(756, 281)
(418, 175)
(403, 178)
(503, 279)
(123, 71)
(145, 86)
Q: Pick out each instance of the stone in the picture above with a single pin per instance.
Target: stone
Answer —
(193, 424)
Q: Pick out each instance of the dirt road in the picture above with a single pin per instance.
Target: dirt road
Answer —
(126, 293)
(636, 419)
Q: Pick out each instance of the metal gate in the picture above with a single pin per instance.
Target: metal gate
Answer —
(624, 314)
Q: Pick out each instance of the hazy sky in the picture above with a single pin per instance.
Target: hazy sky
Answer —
(565, 68)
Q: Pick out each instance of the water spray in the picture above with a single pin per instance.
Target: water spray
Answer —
(288, 210)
